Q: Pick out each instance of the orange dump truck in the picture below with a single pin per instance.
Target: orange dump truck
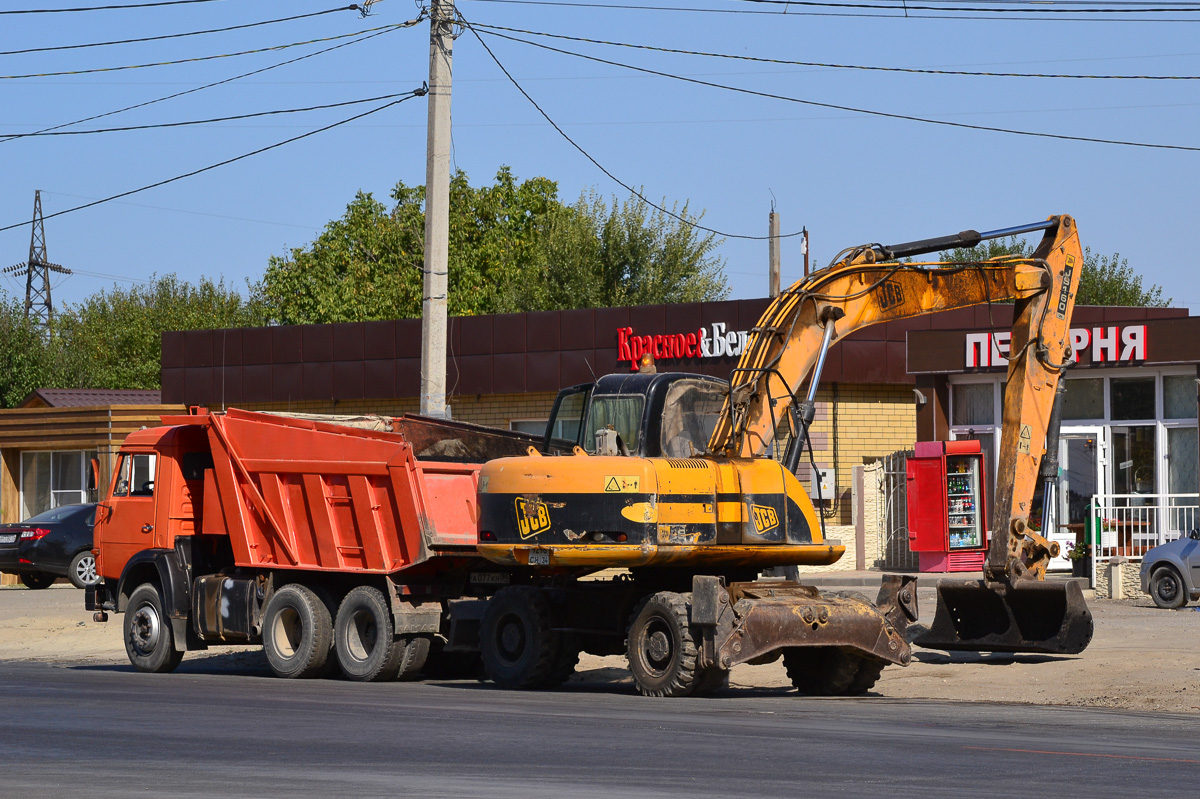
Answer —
(329, 544)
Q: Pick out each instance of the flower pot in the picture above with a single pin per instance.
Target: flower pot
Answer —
(1081, 567)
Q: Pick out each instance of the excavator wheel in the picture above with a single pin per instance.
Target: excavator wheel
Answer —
(515, 640)
(565, 659)
(661, 649)
(829, 671)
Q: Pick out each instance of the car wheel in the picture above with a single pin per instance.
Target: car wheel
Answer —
(37, 580)
(1167, 588)
(149, 641)
(82, 571)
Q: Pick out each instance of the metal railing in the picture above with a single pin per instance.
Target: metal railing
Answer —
(1129, 525)
(894, 511)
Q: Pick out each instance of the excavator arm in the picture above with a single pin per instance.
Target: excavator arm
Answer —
(868, 285)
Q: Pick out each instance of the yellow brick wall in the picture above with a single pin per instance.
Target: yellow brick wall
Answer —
(872, 421)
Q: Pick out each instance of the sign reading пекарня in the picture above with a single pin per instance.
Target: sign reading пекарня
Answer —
(1105, 344)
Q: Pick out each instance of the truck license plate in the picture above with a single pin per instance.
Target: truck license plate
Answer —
(11, 538)
(539, 557)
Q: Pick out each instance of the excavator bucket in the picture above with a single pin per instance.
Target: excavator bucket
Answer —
(1021, 616)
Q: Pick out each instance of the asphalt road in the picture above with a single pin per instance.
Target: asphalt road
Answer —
(217, 730)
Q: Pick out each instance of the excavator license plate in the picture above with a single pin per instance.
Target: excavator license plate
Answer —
(539, 557)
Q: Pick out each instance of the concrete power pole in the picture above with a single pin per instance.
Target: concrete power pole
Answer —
(437, 211)
(773, 252)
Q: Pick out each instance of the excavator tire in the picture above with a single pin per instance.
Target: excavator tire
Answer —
(515, 640)
(823, 670)
(565, 660)
(868, 674)
(661, 649)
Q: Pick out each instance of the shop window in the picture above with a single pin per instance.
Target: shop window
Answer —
(1134, 459)
(1183, 476)
(1084, 399)
(973, 404)
(1179, 397)
(1132, 398)
(53, 479)
(534, 427)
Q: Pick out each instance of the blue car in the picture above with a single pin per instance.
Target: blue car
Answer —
(1171, 571)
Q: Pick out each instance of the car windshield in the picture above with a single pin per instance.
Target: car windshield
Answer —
(61, 513)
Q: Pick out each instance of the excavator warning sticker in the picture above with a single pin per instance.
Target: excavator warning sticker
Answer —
(1026, 437)
(622, 484)
(765, 518)
(533, 517)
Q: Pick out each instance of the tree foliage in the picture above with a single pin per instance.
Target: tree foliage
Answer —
(113, 338)
(1104, 281)
(513, 247)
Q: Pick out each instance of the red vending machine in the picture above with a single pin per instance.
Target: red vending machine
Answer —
(947, 506)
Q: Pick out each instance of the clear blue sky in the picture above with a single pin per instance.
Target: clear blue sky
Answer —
(849, 177)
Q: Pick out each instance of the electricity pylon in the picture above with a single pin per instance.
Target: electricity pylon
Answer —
(38, 306)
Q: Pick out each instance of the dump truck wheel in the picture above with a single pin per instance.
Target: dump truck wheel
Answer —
(297, 632)
(515, 640)
(1167, 589)
(661, 650)
(362, 637)
(149, 641)
(412, 661)
(821, 670)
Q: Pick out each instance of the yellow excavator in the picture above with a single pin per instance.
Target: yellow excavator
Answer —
(670, 479)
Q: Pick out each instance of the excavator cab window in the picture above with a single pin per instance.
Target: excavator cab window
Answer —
(622, 412)
(566, 419)
(690, 412)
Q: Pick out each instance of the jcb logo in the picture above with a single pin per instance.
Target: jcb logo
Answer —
(891, 294)
(764, 518)
(533, 517)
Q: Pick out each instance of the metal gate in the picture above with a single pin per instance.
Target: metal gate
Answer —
(896, 554)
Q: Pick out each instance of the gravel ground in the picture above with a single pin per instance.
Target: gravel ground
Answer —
(1141, 658)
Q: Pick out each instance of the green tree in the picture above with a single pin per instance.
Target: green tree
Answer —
(513, 247)
(113, 339)
(1111, 281)
(24, 351)
(1104, 281)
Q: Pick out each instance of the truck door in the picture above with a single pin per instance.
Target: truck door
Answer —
(125, 521)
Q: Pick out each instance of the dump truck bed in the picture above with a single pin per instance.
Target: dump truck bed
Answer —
(300, 493)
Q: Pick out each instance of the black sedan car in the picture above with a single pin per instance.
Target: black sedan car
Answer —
(57, 543)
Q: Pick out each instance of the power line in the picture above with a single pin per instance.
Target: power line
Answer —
(106, 8)
(53, 193)
(185, 123)
(596, 163)
(1190, 7)
(867, 111)
(206, 57)
(898, 12)
(194, 89)
(178, 35)
(415, 93)
(825, 65)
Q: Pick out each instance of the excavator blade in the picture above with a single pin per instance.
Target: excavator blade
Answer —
(1021, 616)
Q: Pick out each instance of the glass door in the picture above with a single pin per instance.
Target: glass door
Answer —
(1080, 477)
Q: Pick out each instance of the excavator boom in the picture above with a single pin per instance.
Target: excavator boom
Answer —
(1012, 609)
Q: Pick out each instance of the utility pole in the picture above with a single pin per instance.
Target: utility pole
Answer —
(804, 249)
(38, 305)
(773, 253)
(437, 211)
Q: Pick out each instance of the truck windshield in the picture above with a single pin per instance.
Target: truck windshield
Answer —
(622, 413)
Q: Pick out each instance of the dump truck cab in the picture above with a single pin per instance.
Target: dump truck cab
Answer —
(155, 496)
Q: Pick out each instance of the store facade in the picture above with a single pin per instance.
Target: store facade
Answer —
(1132, 393)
